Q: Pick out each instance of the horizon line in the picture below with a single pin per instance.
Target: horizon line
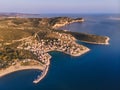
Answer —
(54, 13)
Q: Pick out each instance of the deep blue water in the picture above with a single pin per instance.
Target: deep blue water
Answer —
(98, 69)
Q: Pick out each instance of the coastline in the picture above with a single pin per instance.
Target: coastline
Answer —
(18, 67)
(44, 72)
(44, 68)
(65, 43)
(56, 26)
(75, 55)
(106, 42)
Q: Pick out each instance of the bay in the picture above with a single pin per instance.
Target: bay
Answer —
(98, 69)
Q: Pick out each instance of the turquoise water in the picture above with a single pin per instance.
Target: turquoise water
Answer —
(98, 69)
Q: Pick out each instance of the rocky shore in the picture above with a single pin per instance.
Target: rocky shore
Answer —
(62, 21)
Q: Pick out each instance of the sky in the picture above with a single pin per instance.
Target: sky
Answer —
(60, 6)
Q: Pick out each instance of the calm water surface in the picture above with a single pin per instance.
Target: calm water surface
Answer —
(98, 69)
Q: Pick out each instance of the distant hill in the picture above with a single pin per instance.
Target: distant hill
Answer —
(17, 15)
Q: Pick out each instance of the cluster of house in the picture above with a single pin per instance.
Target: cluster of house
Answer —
(65, 43)
(38, 50)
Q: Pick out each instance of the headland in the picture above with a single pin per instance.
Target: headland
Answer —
(25, 43)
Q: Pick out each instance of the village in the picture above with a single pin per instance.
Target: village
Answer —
(64, 43)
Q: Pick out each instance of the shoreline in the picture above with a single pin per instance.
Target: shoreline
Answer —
(44, 69)
(18, 67)
(64, 42)
(43, 74)
(75, 55)
(106, 42)
(57, 26)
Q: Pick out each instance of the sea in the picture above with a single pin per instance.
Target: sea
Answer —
(99, 69)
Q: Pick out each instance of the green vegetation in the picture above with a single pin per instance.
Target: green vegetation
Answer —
(8, 55)
(89, 37)
(56, 20)
(85, 37)
(14, 30)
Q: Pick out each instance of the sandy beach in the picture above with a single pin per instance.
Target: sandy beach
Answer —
(18, 67)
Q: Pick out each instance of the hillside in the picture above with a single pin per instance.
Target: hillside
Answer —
(17, 34)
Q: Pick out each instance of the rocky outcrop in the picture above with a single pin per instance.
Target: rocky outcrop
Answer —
(62, 21)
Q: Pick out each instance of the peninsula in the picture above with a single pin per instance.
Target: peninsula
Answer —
(25, 43)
